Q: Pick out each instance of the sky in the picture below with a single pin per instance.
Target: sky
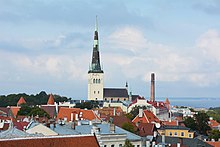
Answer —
(46, 45)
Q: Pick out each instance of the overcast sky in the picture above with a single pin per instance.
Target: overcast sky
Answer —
(47, 45)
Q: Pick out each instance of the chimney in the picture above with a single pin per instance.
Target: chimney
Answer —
(71, 117)
(114, 112)
(152, 93)
(73, 125)
(147, 143)
(112, 128)
(76, 117)
(140, 112)
(163, 138)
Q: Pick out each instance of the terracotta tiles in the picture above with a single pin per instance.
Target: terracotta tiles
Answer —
(80, 141)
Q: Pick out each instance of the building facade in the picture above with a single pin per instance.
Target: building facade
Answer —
(95, 73)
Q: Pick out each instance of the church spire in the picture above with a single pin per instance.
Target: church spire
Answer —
(95, 66)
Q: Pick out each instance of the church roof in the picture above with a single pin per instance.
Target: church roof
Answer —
(21, 101)
(95, 66)
(50, 100)
(115, 92)
(167, 101)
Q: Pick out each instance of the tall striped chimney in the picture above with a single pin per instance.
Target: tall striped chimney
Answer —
(152, 92)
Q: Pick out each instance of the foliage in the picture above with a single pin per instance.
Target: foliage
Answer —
(128, 143)
(199, 123)
(38, 111)
(135, 111)
(88, 105)
(214, 134)
(202, 123)
(215, 113)
(128, 126)
(32, 111)
(38, 99)
(129, 116)
(24, 110)
(190, 123)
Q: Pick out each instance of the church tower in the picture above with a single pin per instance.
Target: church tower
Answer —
(95, 73)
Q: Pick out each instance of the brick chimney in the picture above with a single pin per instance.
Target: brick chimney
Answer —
(152, 92)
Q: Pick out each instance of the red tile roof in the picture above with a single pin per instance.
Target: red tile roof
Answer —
(82, 114)
(20, 125)
(50, 100)
(109, 111)
(215, 144)
(167, 101)
(120, 120)
(135, 101)
(148, 117)
(172, 123)
(64, 141)
(5, 127)
(51, 110)
(21, 101)
(14, 110)
(213, 123)
(146, 129)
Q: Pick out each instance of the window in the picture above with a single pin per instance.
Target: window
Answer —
(124, 99)
(190, 135)
(94, 92)
(99, 80)
(175, 134)
(111, 99)
(105, 145)
(93, 80)
(98, 92)
(112, 145)
(96, 80)
(182, 133)
(138, 145)
(105, 99)
(120, 145)
(170, 134)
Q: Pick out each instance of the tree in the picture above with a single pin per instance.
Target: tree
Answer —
(24, 110)
(214, 134)
(128, 143)
(38, 111)
(87, 105)
(190, 123)
(128, 126)
(135, 111)
(202, 123)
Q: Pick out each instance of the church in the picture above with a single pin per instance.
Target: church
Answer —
(96, 90)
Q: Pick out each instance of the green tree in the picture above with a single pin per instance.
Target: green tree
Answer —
(214, 134)
(202, 123)
(38, 111)
(128, 144)
(24, 110)
(190, 123)
(88, 105)
(128, 126)
(135, 111)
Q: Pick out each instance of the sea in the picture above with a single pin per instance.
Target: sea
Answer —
(193, 102)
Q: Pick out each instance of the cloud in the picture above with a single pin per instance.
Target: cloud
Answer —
(209, 43)
(171, 64)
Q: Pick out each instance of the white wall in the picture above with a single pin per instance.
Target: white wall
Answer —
(95, 90)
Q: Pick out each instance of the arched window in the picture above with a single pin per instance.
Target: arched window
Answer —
(93, 80)
(99, 80)
(96, 80)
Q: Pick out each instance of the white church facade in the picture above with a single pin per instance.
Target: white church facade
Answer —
(96, 90)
